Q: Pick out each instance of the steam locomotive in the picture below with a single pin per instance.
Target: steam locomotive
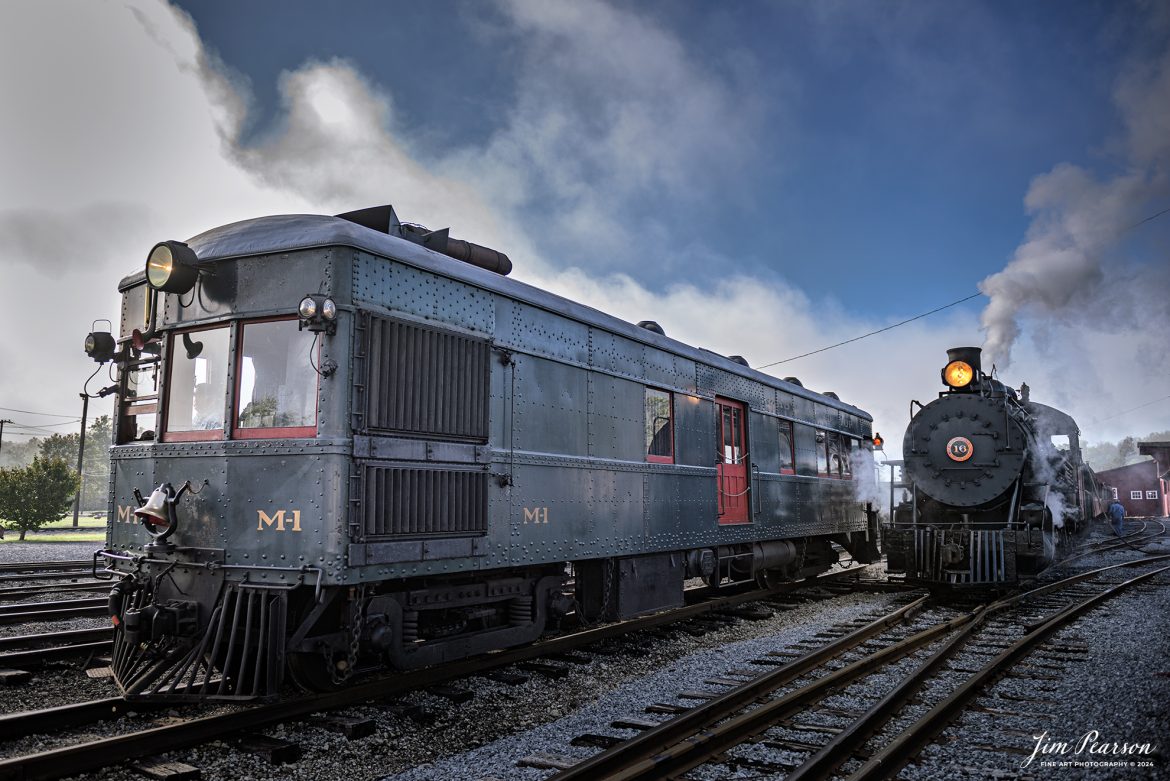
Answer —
(348, 442)
(997, 487)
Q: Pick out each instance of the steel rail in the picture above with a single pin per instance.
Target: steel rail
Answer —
(26, 591)
(33, 607)
(19, 725)
(841, 746)
(713, 740)
(82, 758)
(886, 762)
(650, 743)
(1123, 542)
(46, 639)
(43, 566)
(48, 576)
(37, 656)
(42, 616)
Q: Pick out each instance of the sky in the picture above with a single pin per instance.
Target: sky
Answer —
(761, 178)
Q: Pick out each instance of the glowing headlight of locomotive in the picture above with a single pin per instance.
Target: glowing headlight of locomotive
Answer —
(170, 267)
(958, 374)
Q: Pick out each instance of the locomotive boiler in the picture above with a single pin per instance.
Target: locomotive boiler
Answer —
(996, 485)
(348, 442)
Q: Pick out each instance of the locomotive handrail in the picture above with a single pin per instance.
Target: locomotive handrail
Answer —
(302, 570)
(756, 508)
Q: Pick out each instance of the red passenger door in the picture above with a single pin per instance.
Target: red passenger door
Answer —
(731, 466)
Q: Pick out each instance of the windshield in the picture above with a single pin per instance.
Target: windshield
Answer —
(197, 391)
(277, 382)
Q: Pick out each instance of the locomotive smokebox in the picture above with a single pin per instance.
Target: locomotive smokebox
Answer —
(968, 355)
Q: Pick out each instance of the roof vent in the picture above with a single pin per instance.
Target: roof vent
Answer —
(831, 395)
(738, 359)
(794, 381)
(650, 325)
(384, 220)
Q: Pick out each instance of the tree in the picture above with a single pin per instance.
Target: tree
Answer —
(19, 453)
(60, 446)
(37, 494)
(95, 487)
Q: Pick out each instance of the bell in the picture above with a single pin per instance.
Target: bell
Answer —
(155, 512)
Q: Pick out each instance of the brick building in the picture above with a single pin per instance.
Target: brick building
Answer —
(1141, 488)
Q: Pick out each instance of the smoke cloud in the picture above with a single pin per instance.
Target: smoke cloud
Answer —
(1086, 263)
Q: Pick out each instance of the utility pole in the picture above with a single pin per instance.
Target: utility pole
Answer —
(2, 422)
(80, 457)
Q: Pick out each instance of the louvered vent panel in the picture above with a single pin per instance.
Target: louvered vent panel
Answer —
(420, 502)
(423, 381)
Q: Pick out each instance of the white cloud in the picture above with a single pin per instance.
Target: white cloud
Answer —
(110, 144)
(619, 113)
(1078, 301)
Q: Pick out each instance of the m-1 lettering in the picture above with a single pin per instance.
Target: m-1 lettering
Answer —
(265, 520)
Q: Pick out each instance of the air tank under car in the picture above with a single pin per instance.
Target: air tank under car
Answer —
(995, 484)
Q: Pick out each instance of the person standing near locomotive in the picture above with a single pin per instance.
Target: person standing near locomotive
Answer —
(1116, 513)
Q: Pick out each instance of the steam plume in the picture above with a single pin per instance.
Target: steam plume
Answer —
(1072, 269)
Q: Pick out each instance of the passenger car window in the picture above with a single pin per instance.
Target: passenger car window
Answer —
(276, 383)
(659, 428)
(822, 453)
(197, 384)
(849, 446)
(787, 456)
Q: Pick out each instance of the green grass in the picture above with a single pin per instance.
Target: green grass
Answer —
(83, 522)
(14, 536)
(89, 529)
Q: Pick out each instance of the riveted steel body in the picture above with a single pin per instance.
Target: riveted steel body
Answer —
(468, 423)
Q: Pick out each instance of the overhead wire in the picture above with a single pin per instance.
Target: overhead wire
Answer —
(1127, 229)
(1132, 409)
(872, 333)
(45, 414)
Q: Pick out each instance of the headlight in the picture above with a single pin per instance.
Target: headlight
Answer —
(317, 313)
(170, 267)
(100, 346)
(958, 374)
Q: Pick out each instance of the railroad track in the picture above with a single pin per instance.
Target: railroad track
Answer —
(44, 570)
(40, 612)
(16, 592)
(34, 650)
(84, 757)
(752, 726)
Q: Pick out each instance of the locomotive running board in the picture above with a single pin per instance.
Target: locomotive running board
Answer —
(240, 655)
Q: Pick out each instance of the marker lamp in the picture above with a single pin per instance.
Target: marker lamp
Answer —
(317, 313)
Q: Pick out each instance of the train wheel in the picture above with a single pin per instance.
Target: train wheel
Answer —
(311, 673)
(771, 578)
